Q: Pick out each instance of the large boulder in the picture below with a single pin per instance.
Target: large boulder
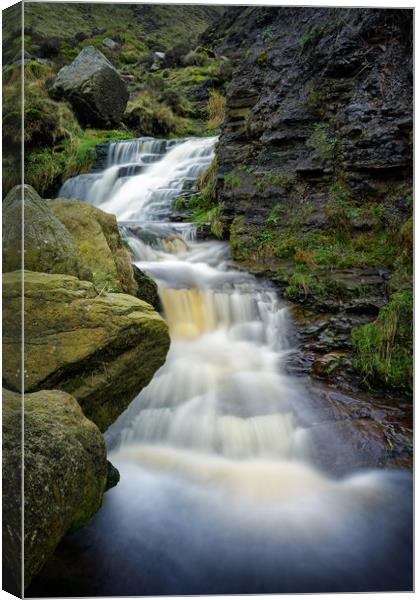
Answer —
(49, 247)
(99, 242)
(102, 348)
(100, 245)
(65, 475)
(93, 87)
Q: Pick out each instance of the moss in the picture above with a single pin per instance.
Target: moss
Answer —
(322, 141)
(204, 205)
(83, 334)
(326, 248)
(311, 35)
(274, 179)
(146, 115)
(99, 243)
(262, 56)
(65, 470)
(383, 350)
(232, 180)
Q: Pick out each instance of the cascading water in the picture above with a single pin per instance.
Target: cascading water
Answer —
(219, 492)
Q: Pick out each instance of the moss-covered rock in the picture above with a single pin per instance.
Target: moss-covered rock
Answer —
(100, 245)
(99, 242)
(49, 247)
(102, 348)
(65, 473)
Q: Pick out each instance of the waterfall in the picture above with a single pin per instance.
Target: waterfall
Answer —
(221, 490)
(143, 177)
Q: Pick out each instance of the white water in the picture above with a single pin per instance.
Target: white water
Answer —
(219, 492)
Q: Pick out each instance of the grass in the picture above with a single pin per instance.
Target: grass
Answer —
(386, 243)
(303, 283)
(322, 141)
(216, 110)
(267, 180)
(232, 180)
(56, 146)
(383, 350)
(276, 214)
(147, 115)
(157, 27)
(204, 205)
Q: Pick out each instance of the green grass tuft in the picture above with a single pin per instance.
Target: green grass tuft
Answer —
(383, 350)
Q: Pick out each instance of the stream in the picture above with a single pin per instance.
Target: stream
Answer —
(225, 458)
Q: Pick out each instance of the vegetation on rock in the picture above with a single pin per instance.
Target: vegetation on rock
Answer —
(99, 243)
(102, 348)
(65, 474)
(384, 349)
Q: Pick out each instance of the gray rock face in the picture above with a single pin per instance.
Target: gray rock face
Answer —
(322, 94)
(318, 118)
(93, 87)
(49, 247)
(109, 43)
(65, 474)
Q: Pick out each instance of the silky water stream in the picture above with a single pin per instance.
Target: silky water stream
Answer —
(221, 488)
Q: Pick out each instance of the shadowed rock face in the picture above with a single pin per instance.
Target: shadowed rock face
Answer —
(321, 94)
(318, 128)
(101, 348)
(93, 87)
(65, 474)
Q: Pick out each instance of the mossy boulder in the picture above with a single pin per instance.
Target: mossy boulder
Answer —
(94, 88)
(98, 240)
(49, 247)
(102, 348)
(100, 245)
(65, 474)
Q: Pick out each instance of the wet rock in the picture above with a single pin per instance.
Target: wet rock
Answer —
(310, 105)
(326, 364)
(158, 61)
(65, 474)
(147, 288)
(93, 87)
(102, 348)
(49, 246)
(113, 476)
(362, 430)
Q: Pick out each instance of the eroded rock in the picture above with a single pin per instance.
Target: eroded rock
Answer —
(101, 348)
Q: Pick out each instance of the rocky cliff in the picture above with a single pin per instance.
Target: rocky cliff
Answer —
(314, 164)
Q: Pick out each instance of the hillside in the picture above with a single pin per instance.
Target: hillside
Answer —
(163, 101)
